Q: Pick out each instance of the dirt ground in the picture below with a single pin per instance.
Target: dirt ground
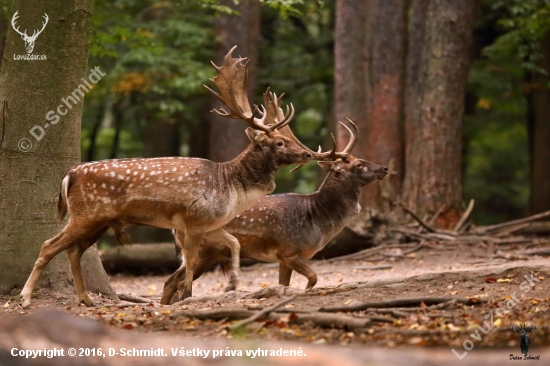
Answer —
(503, 292)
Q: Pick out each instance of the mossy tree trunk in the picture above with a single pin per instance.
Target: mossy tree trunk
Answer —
(29, 181)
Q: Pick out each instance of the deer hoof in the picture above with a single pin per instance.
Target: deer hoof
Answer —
(87, 301)
(26, 302)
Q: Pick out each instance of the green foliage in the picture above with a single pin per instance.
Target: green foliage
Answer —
(527, 21)
(496, 147)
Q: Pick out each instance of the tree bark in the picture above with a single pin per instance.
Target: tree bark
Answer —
(539, 134)
(417, 27)
(227, 136)
(29, 181)
(434, 156)
(352, 35)
(384, 142)
(3, 29)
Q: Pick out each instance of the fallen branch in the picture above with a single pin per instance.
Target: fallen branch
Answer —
(262, 314)
(418, 219)
(401, 303)
(215, 314)
(333, 320)
(359, 254)
(464, 217)
(136, 299)
(484, 229)
(380, 266)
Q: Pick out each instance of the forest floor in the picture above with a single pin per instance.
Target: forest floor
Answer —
(490, 293)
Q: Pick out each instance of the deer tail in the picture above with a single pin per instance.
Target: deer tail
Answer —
(62, 204)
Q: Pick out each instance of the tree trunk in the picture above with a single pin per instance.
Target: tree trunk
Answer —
(434, 154)
(31, 168)
(539, 134)
(227, 136)
(3, 29)
(417, 27)
(161, 138)
(384, 142)
(352, 34)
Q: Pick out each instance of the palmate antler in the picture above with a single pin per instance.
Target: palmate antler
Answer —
(523, 328)
(231, 81)
(274, 113)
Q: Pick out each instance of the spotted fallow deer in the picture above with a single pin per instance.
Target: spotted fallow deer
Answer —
(195, 196)
(289, 228)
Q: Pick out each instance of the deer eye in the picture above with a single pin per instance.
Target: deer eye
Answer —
(280, 143)
(359, 165)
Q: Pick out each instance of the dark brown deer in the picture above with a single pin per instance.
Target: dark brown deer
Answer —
(195, 196)
(289, 228)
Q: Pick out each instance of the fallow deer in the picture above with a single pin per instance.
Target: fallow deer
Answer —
(290, 228)
(195, 196)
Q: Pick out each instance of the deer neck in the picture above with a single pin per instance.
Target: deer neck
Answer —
(253, 169)
(339, 196)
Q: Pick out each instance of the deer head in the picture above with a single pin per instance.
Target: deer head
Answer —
(270, 131)
(29, 40)
(354, 169)
(523, 330)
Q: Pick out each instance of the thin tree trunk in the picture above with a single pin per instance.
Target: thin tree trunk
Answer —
(161, 139)
(227, 136)
(384, 142)
(434, 155)
(95, 131)
(539, 134)
(118, 119)
(29, 181)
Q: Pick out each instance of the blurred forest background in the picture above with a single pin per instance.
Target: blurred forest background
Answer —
(335, 59)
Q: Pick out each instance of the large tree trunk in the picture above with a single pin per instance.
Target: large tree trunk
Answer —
(29, 181)
(227, 136)
(384, 142)
(3, 29)
(417, 27)
(434, 154)
(350, 68)
(539, 134)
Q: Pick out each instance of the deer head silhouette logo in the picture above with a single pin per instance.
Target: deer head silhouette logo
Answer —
(524, 340)
(29, 40)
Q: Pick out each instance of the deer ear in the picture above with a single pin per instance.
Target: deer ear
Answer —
(329, 166)
(255, 135)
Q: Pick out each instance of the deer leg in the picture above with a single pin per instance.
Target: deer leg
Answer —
(170, 286)
(221, 236)
(75, 255)
(68, 237)
(285, 272)
(300, 266)
(191, 254)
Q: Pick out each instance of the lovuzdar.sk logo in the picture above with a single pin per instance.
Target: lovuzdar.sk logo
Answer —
(524, 342)
(29, 40)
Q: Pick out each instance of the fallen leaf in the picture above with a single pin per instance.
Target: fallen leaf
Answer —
(501, 280)
(490, 280)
